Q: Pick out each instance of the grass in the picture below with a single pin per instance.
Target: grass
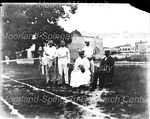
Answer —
(130, 96)
(129, 84)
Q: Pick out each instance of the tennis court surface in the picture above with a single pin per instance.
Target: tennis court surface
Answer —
(25, 95)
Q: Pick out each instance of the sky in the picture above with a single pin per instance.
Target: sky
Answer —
(116, 24)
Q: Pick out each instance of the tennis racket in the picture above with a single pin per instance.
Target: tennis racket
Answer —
(96, 50)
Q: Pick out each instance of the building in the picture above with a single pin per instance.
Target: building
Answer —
(142, 47)
(125, 48)
(78, 42)
(116, 49)
(30, 51)
(132, 49)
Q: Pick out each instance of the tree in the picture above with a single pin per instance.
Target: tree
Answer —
(22, 21)
(76, 32)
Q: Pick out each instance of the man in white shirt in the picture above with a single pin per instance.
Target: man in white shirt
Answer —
(89, 52)
(63, 54)
(49, 56)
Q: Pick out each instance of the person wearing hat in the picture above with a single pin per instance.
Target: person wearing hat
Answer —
(88, 52)
(81, 73)
(48, 59)
(63, 54)
(106, 69)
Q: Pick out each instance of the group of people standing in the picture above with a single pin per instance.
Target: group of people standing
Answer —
(51, 57)
(83, 70)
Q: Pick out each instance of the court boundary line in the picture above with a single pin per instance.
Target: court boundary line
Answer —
(32, 78)
(63, 98)
(13, 110)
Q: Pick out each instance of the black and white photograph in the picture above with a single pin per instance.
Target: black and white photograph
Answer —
(74, 60)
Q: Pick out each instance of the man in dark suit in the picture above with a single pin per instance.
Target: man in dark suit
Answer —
(106, 69)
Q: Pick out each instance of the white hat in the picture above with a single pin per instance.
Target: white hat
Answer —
(50, 41)
(80, 51)
(40, 48)
(87, 40)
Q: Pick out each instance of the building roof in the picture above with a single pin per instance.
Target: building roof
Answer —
(122, 46)
(105, 47)
(89, 37)
(141, 42)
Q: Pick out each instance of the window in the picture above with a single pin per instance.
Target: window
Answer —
(136, 47)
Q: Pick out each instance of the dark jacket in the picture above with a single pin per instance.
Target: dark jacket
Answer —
(108, 64)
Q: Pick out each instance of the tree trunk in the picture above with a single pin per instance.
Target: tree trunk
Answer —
(36, 51)
(36, 55)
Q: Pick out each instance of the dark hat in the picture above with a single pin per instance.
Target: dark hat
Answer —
(107, 52)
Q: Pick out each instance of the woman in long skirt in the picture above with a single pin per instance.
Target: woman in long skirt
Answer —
(81, 73)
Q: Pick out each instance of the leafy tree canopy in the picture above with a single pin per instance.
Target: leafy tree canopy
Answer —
(22, 21)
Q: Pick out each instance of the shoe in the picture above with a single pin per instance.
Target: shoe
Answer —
(100, 89)
(92, 89)
(66, 83)
(67, 86)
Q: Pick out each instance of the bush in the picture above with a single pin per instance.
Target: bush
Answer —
(135, 58)
(98, 59)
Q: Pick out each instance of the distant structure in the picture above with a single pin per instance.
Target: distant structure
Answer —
(127, 48)
(78, 42)
(116, 49)
(139, 48)
(142, 47)
(30, 51)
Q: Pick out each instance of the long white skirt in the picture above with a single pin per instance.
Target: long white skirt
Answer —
(47, 61)
(78, 78)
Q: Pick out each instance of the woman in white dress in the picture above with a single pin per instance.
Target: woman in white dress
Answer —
(81, 73)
